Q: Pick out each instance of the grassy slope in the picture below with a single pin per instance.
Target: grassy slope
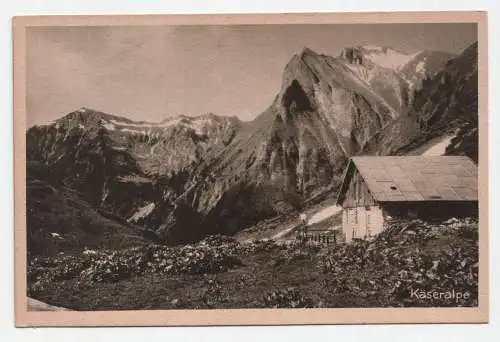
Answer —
(63, 211)
(242, 287)
(351, 285)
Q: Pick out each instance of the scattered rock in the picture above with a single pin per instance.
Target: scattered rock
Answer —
(396, 259)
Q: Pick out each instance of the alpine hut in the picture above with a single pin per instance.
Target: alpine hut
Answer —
(375, 189)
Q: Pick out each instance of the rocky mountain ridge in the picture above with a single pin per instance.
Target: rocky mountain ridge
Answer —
(187, 177)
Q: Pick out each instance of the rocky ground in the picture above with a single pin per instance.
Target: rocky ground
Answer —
(220, 272)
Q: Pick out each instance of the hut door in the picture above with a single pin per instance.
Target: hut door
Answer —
(368, 221)
(356, 231)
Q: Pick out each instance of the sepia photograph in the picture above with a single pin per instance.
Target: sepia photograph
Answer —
(303, 163)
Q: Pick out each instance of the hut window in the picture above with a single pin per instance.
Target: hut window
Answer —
(355, 215)
(393, 187)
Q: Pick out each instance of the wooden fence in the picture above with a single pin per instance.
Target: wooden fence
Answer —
(323, 237)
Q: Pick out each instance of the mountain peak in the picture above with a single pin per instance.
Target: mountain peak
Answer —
(208, 115)
(299, 60)
(87, 113)
(81, 110)
(307, 52)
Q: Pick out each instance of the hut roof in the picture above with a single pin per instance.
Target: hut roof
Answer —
(415, 178)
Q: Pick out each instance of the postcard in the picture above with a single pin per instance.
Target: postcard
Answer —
(187, 170)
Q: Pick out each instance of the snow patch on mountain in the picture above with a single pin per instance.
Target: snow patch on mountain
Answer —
(142, 212)
(200, 124)
(128, 124)
(148, 124)
(439, 148)
(387, 57)
(373, 47)
(109, 126)
(129, 130)
(420, 67)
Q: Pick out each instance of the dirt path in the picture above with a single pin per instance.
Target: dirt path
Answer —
(285, 231)
(324, 214)
(314, 218)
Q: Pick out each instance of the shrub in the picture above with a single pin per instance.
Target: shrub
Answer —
(212, 255)
(287, 298)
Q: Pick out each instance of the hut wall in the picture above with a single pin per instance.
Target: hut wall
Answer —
(431, 210)
(357, 193)
(362, 222)
(362, 217)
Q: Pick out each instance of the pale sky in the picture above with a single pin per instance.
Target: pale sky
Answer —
(150, 73)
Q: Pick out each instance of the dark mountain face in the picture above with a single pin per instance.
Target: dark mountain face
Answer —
(187, 177)
(451, 94)
(445, 105)
(424, 66)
